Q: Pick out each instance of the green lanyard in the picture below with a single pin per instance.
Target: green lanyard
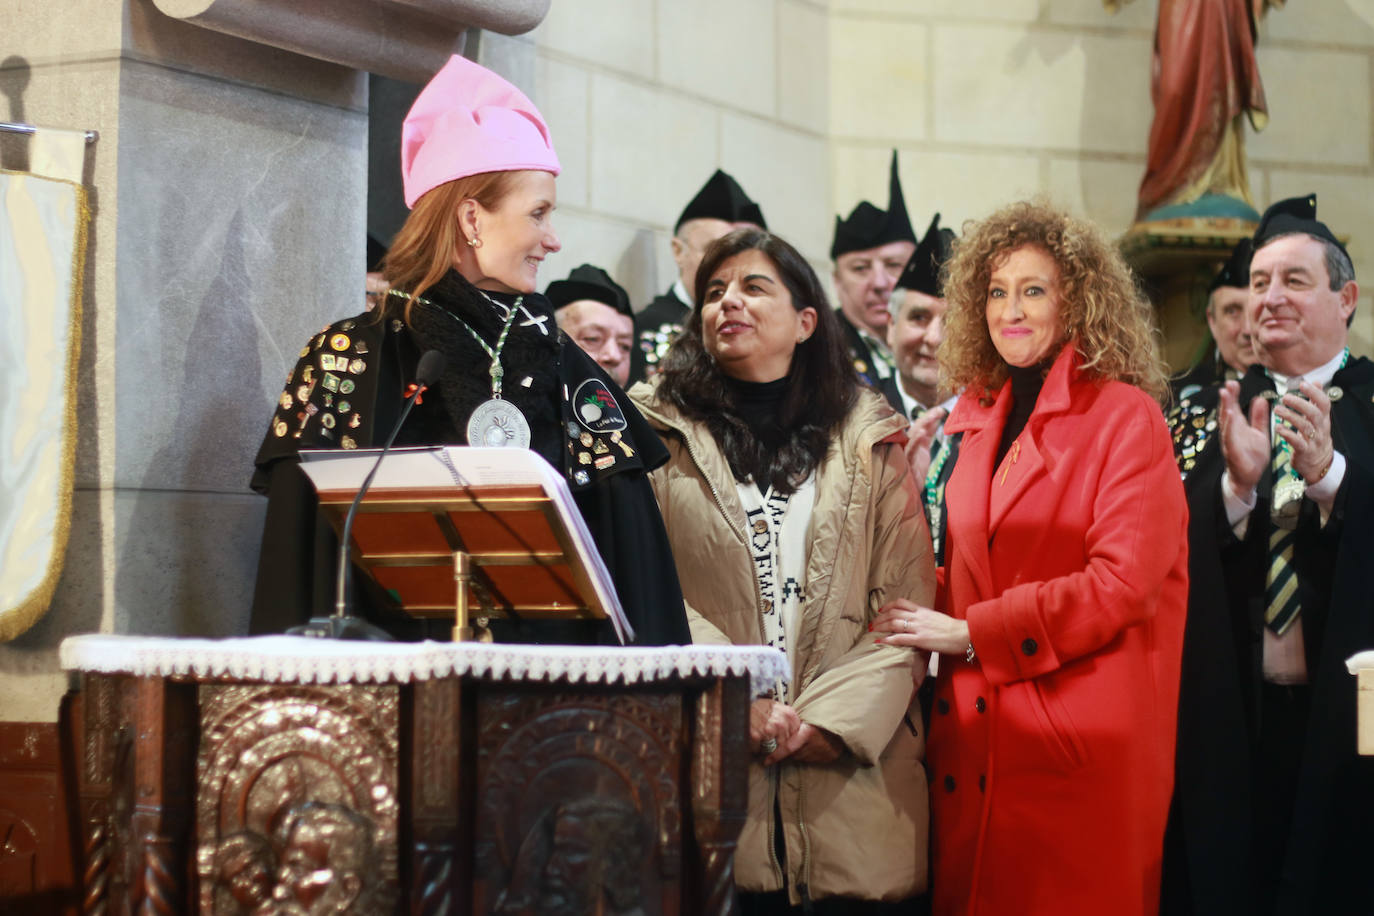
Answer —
(1282, 444)
(496, 372)
(935, 491)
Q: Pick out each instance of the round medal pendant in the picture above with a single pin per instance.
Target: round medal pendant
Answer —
(498, 424)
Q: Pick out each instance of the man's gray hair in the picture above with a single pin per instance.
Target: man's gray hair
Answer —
(894, 301)
(1338, 266)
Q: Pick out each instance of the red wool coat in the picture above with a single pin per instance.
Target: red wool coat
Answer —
(1052, 753)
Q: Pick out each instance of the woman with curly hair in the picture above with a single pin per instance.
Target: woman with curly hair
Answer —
(1052, 737)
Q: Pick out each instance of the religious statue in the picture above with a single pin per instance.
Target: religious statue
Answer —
(1203, 81)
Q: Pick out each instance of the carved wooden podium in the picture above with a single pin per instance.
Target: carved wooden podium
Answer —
(221, 776)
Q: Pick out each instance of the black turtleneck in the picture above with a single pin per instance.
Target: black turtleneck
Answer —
(1025, 388)
(759, 406)
(452, 311)
(758, 403)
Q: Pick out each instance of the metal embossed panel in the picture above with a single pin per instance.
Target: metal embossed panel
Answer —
(578, 801)
(297, 799)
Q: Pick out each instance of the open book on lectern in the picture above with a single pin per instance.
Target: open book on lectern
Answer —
(506, 508)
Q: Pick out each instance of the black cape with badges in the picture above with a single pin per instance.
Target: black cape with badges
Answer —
(1207, 858)
(1208, 372)
(861, 355)
(348, 390)
(655, 330)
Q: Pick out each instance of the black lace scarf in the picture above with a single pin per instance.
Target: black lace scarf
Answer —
(529, 358)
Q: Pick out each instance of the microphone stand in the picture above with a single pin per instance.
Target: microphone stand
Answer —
(343, 623)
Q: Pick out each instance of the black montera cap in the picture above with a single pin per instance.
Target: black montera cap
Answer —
(1236, 271)
(722, 198)
(1296, 214)
(588, 282)
(868, 227)
(922, 272)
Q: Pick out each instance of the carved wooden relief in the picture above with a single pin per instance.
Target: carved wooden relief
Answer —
(106, 788)
(518, 798)
(434, 738)
(163, 772)
(297, 805)
(95, 713)
(578, 807)
(35, 861)
(720, 797)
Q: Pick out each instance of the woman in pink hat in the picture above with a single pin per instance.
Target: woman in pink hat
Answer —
(478, 168)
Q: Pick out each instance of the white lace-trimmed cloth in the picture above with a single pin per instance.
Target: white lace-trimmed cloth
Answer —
(304, 660)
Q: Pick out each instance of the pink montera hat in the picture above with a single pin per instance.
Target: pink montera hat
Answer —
(467, 121)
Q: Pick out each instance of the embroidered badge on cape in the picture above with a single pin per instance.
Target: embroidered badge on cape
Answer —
(1192, 427)
(596, 408)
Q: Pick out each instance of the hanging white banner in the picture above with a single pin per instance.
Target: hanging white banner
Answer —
(43, 222)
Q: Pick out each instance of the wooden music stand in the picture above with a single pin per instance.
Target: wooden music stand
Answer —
(503, 550)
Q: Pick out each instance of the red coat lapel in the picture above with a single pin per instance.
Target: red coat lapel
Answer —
(967, 491)
(984, 493)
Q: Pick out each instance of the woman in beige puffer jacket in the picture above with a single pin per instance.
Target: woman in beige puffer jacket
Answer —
(846, 783)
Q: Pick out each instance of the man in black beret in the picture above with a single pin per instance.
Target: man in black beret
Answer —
(718, 208)
(870, 249)
(915, 327)
(1232, 352)
(914, 333)
(1272, 802)
(594, 311)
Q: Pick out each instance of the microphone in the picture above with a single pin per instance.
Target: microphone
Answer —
(343, 624)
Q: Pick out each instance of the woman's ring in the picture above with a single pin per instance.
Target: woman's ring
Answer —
(906, 626)
(768, 745)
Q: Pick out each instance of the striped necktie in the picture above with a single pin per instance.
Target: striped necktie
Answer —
(1281, 582)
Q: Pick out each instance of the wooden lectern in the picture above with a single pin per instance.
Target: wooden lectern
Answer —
(499, 535)
(290, 774)
(301, 775)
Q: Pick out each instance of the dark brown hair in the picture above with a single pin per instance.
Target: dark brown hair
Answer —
(821, 385)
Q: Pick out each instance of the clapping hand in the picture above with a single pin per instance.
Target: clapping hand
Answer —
(1306, 427)
(919, 436)
(1244, 440)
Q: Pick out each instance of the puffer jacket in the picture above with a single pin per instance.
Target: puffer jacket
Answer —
(856, 827)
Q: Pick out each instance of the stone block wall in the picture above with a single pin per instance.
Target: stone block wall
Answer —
(1318, 68)
(646, 98)
(1007, 98)
(986, 100)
